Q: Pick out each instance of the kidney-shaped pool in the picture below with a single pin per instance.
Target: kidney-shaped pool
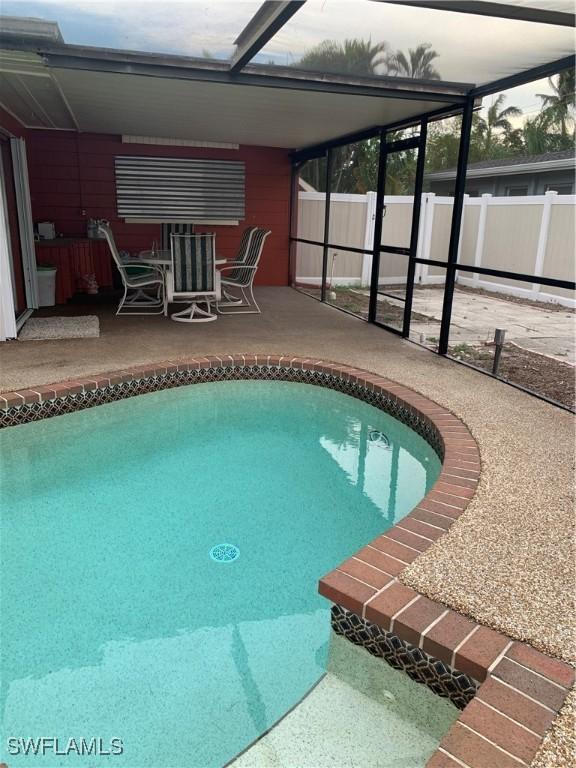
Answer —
(161, 557)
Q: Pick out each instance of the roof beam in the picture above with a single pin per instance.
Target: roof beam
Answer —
(528, 76)
(495, 10)
(178, 68)
(318, 150)
(268, 19)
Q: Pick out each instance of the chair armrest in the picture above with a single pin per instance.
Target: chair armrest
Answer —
(143, 267)
(238, 265)
(230, 262)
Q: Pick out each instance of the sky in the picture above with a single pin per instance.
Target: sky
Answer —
(471, 48)
(186, 27)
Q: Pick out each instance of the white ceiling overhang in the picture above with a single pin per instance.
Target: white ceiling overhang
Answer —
(111, 97)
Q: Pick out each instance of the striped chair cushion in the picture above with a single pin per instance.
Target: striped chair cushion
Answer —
(193, 263)
(176, 229)
(240, 275)
(244, 241)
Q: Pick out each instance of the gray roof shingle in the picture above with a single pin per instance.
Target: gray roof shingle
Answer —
(505, 162)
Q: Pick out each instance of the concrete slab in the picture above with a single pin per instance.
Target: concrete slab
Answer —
(475, 317)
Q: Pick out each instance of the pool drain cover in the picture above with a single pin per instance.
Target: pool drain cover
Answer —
(224, 553)
(375, 436)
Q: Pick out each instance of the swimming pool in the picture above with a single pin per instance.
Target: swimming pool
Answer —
(122, 625)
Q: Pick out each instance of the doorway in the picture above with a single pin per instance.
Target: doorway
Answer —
(396, 231)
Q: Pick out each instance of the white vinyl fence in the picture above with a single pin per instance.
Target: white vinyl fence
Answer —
(529, 235)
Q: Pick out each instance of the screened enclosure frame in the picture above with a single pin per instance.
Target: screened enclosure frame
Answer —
(264, 25)
(451, 265)
(413, 101)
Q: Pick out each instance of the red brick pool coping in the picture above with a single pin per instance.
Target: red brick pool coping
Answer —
(522, 689)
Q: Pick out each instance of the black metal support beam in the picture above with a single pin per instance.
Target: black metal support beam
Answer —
(380, 190)
(436, 114)
(317, 150)
(268, 19)
(329, 159)
(456, 225)
(521, 277)
(293, 224)
(412, 142)
(350, 249)
(495, 10)
(420, 165)
(528, 76)
(333, 246)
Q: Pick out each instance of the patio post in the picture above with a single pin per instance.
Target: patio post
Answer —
(326, 224)
(380, 188)
(293, 223)
(452, 262)
(416, 205)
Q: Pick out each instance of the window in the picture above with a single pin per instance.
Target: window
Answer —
(176, 189)
(516, 191)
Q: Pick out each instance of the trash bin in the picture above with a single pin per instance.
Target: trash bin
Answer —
(46, 285)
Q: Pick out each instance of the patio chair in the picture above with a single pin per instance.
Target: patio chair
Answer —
(239, 259)
(136, 281)
(174, 229)
(243, 247)
(241, 279)
(192, 277)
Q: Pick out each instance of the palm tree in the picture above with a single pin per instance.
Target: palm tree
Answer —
(557, 107)
(352, 57)
(536, 137)
(418, 63)
(497, 118)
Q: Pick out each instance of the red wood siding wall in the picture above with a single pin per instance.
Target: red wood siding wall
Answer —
(72, 180)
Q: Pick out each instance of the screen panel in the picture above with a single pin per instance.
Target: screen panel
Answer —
(361, 37)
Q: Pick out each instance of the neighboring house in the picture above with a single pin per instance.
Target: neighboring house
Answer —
(511, 177)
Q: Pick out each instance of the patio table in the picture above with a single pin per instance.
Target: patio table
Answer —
(160, 258)
(163, 259)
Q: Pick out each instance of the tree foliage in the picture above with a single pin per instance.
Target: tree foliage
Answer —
(416, 63)
(352, 57)
(493, 136)
(367, 59)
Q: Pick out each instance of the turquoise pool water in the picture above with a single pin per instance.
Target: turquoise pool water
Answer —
(117, 622)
